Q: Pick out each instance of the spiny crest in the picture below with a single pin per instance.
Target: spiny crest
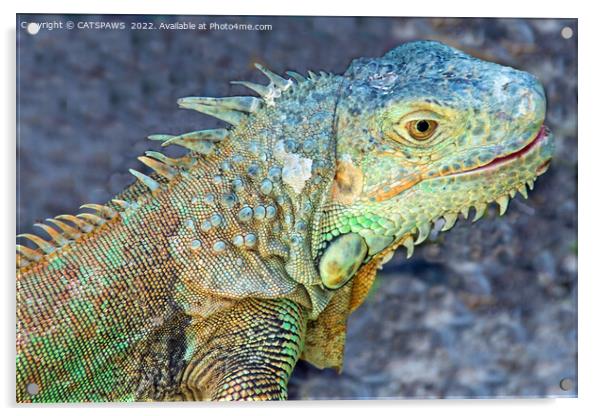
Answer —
(201, 141)
(271, 91)
(68, 229)
(232, 110)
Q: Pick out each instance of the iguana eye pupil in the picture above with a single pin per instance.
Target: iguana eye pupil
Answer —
(422, 126)
(421, 129)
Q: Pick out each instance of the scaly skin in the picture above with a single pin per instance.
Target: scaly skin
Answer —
(209, 278)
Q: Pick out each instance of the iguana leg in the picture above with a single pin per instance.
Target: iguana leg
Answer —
(246, 352)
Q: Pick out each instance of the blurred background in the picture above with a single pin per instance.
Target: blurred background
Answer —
(486, 310)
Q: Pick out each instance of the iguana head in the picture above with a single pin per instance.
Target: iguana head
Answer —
(423, 133)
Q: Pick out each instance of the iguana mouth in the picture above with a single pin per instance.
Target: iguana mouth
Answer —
(538, 139)
(536, 142)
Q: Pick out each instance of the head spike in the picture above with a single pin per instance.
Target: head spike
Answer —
(296, 76)
(162, 158)
(244, 104)
(67, 230)
(424, 230)
(312, 75)
(522, 189)
(201, 141)
(121, 203)
(200, 146)
(386, 258)
(54, 234)
(152, 184)
(464, 212)
(29, 253)
(267, 93)
(408, 243)
(479, 211)
(531, 184)
(274, 78)
(21, 261)
(81, 224)
(262, 90)
(210, 135)
(40, 242)
(102, 209)
(91, 218)
(232, 117)
(160, 137)
(161, 168)
(503, 203)
(450, 220)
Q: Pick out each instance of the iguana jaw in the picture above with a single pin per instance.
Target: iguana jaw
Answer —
(408, 217)
(497, 181)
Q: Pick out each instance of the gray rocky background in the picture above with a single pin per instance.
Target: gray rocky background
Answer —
(488, 311)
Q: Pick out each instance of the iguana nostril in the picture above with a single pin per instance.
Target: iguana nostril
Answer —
(526, 104)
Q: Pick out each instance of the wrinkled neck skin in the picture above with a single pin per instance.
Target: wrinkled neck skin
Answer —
(292, 146)
(361, 171)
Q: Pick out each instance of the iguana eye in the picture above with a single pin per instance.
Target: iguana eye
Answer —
(421, 129)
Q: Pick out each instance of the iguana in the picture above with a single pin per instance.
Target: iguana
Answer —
(210, 277)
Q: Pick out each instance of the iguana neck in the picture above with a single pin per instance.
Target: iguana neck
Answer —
(288, 150)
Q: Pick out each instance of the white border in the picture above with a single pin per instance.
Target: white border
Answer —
(590, 184)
